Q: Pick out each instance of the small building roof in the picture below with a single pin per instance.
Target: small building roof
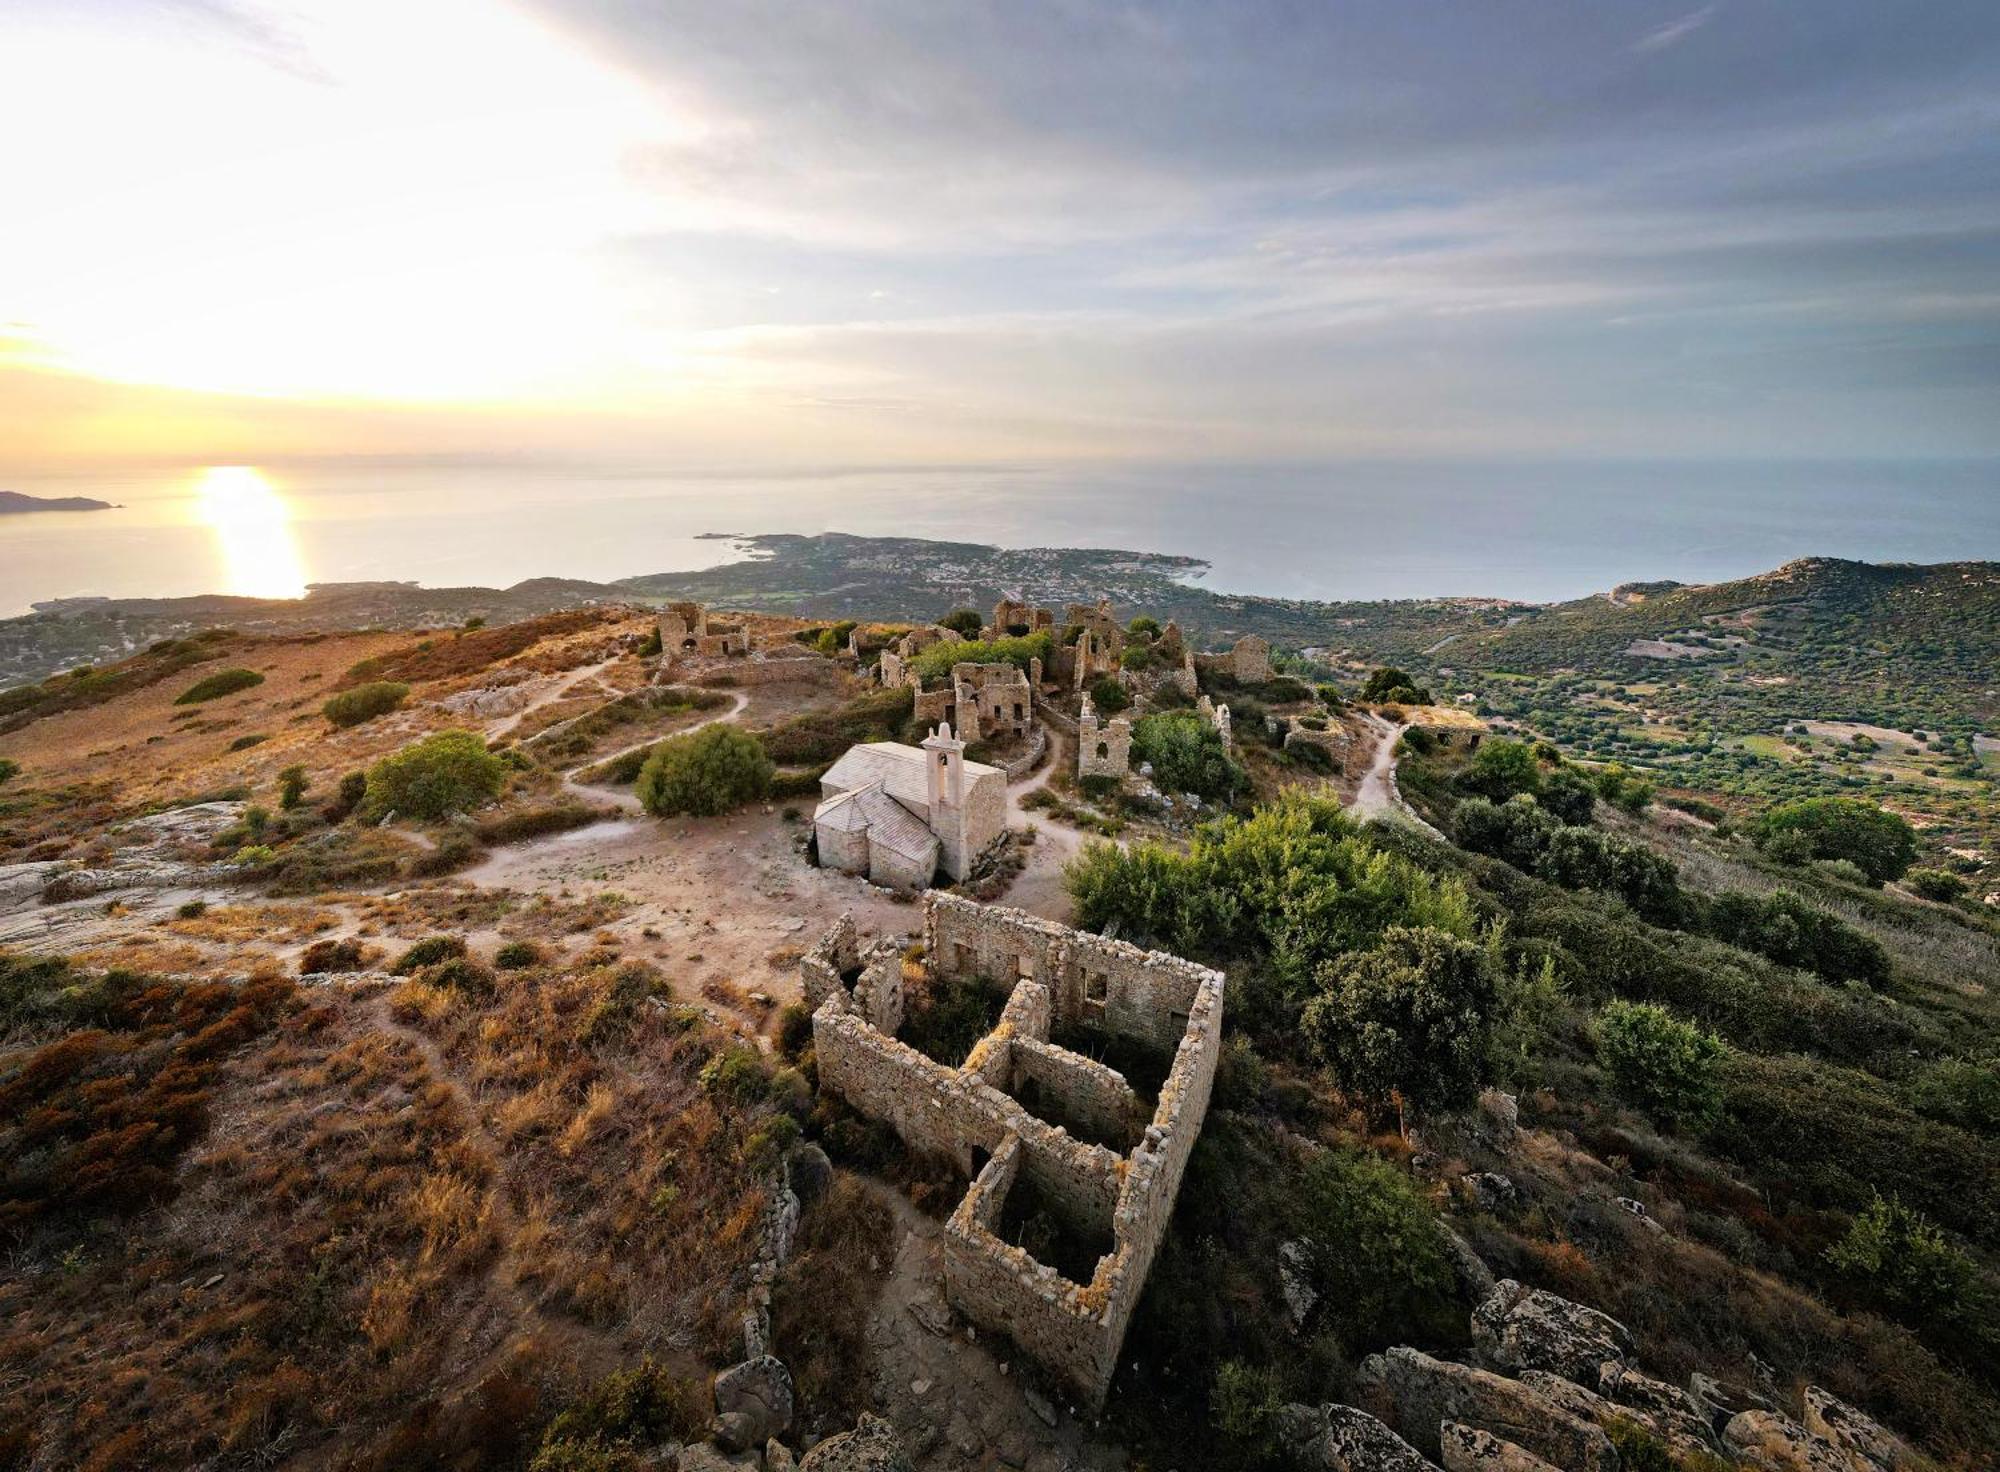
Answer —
(900, 769)
(872, 811)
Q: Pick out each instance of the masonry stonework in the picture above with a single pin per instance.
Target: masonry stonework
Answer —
(990, 1113)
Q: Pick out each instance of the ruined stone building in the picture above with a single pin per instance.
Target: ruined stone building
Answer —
(685, 628)
(1013, 618)
(1103, 749)
(1247, 661)
(894, 668)
(1218, 717)
(1064, 1154)
(900, 813)
(990, 700)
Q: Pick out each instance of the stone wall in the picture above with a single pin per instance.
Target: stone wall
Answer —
(1247, 661)
(970, 1113)
(1102, 750)
(823, 970)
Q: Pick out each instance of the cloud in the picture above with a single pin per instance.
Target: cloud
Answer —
(1675, 31)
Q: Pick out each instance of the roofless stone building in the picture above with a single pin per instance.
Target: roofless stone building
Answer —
(1045, 1133)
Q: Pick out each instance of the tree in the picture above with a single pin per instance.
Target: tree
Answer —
(1667, 1067)
(1109, 696)
(1390, 686)
(1880, 842)
(364, 702)
(1373, 1248)
(1187, 755)
(1410, 1021)
(1569, 795)
(1145, 626)
(705, 772)
(966, 622)
(1501, 769)
(291, 787)
(436, 777)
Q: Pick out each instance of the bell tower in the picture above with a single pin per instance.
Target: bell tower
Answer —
(944, 759)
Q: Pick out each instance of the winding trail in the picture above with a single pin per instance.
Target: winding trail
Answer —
(1378, 796)
(739, 700)
(506, 725)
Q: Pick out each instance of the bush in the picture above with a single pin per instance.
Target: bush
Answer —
(517, 955)
(635, 1408)
(1623, 788)
(1145, 626)
(1569, 795)
(291, 787)
(1883, 844)
(1502, 769)
(223, 682)
(1109, 696)
(1791, 932)
(1935, 884)
(1244, 1404)
(364, 702)
(1410, 1020)
(351, 793)
(323, 957)
(1187, 755)
(1902, 1258)
(966, 622)
(459, 974)
(428, 952)
(1665, 1066)
(705, 772)
(1374, 1251)
(244, 743)
(934, 663)
(436, 777)
(1389, 685)
(1136, 657)
(9, 769)
(795, 1030)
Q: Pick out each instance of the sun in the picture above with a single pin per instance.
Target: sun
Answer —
(252, 527)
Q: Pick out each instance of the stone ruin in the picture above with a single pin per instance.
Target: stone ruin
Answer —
(686, 629)
(1046, 1134)
(893, 669)
(1102, 749)
(1010, 614)
(1247, 661)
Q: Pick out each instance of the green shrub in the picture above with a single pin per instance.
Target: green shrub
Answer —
(1098, 787)
(795, 1030)
(1136, 657)
(1502, 769)
(1410, 1020)
(1244, 1403)
(191, 909)
(1883, 844)
(364, 702)
(1959, 1091)
(1569, 795)
(636, 1408)
(291, 787)
(351, 793)
(738, 1072)
(935, 663)
(460, 974)
(1665, 1066)
(965, 621)
(428, 952)
(1935, 884)
(1374, 1251)
(10, 769)
(436, 777)
(217, 685)
(1791, 932)
(1187, 755)
(705, 772)
(1623, 788)
(1391, 686)
(517, 955)
(244, 743)
(1145, 626)
(1109, 696)
(1902, 1258)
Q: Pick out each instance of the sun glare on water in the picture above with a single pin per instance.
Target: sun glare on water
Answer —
(252, 527)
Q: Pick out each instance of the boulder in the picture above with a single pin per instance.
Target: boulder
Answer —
(1685, 1438)
(734, 1431)
(1774, 1442)
(778, 1457)
(872, 1446)
(760, 1391)
(1295, 1279)
(1468, 1266)
(1500, 1115)
(703, 1457)
(1673, 1410)
(1415, 1394)
(808, 1172)
(1869, 1445)
(1337, 1438)
(1488, 1190)
(1467, 1449)
(1517, 1328)
(1718, 1402)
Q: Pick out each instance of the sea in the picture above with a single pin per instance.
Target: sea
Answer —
(1353, 529)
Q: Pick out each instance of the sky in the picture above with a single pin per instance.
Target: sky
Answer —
(779, 232)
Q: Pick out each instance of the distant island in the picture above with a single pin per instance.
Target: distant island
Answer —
(14, 503)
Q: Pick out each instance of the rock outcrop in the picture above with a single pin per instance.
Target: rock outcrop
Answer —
(1337, 1438)
(872, 1446)
(1774, 1441)
(1416, 1394)
(1466, 1449)
(755, 1398)
(1520, 1328)
(1870, 1446)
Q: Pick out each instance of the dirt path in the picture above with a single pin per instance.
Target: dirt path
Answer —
(1039, 886)
(1378, 795)
(626, 800)
(558, 691)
